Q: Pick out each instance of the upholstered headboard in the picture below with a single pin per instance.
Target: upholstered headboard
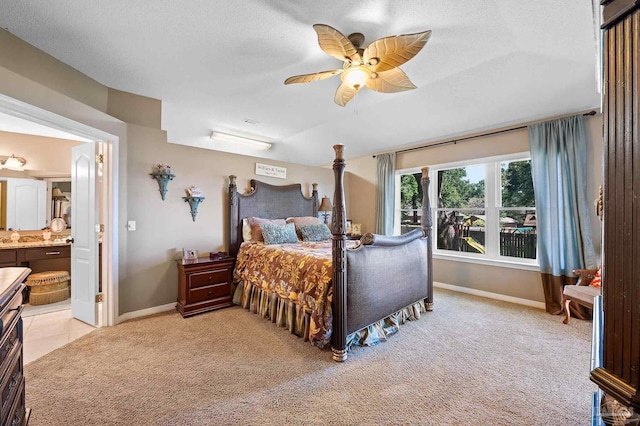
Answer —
(266, 201)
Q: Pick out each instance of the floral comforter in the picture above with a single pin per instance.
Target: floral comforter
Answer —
(299, 274)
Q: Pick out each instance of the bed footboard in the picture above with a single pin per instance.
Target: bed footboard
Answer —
(384, 275)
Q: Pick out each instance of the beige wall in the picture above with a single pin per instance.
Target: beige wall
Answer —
(46, 157)
(23, 59)
(134, 109)
(511, 282)
(164, 228)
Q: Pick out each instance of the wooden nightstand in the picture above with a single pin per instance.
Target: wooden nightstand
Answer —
(204, 285)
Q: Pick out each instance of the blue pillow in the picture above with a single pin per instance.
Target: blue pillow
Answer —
(315, 232)
(278, 234)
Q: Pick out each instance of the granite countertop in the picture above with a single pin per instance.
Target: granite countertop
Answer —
(31, 244)
(8, 277)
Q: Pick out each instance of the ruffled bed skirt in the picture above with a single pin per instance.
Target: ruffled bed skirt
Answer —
(290, 315)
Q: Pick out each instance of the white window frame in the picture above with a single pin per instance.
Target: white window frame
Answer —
(492, 208)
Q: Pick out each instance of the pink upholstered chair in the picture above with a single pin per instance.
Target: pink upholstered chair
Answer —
(581, 293)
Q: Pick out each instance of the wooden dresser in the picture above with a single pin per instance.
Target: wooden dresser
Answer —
(619, 374)
(12, 410)
(204, 285)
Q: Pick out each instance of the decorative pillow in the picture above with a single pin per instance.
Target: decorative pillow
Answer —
(597, 279)
(298, 221)
(278, 234)
(246, 230)
(304, 220)
(255, 222)
(315, 232)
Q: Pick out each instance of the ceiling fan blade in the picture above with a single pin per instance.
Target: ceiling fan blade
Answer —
(344, 94)
(308, 78)
(392, 81)
(334, 43)
(386, 53)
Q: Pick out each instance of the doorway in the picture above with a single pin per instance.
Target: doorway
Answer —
(107, 190)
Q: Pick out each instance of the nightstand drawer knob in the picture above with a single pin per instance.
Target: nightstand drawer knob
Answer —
(210, 277)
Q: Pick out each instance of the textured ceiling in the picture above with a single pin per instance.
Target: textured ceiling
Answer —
(215, 63)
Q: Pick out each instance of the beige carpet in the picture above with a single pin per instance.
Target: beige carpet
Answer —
(472, 361)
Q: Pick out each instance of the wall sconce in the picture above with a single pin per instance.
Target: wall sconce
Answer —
(325, 208)
(240, 140)
(163, 175)
(194, 198)
(13, 163)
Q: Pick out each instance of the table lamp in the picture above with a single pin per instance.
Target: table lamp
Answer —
(325, 208)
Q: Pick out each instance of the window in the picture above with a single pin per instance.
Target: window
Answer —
(410, 211)
(481, 210)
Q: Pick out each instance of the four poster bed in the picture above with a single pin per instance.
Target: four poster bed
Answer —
(337, 291)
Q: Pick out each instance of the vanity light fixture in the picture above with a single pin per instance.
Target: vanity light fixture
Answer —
(13, 163)
(240, 140)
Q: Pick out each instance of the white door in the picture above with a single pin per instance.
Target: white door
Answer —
(84, 246)
(26, 204)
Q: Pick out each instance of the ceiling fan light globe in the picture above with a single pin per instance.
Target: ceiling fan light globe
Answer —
(356, 77)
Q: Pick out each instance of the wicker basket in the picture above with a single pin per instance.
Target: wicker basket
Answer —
(48, 287)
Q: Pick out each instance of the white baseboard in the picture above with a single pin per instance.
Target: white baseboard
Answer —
(145, 312)
(497, 296)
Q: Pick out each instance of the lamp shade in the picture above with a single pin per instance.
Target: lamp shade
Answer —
(325, 205)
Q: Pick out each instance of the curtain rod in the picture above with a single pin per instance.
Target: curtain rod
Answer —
(497, 132)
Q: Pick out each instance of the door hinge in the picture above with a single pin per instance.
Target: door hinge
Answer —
(100, 158)
(99, 297)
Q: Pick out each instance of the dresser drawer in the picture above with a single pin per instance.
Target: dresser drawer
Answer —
(11, 384)
(42, 253)
(7, 347)
(214, 276)
(15, 416)
(8, 256)
(210, 292)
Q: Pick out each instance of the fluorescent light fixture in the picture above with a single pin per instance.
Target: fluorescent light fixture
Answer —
(240, 140)
(13, 163)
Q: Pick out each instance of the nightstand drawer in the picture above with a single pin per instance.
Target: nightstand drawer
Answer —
(209, 292)
(204, 284)
(214, 276)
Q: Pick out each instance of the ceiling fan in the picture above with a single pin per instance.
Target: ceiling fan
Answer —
(375, 67)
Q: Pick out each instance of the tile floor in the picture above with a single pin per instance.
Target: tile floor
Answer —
(47, 332)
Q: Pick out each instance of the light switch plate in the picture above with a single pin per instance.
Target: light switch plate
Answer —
(131, 225)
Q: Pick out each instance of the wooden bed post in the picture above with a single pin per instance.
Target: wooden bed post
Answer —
(339, 259)
(427, 224)
(233, 216)
(314, 194)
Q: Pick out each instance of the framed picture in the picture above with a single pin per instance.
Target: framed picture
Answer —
(356, 229)
(189, 254)
(349, 227)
